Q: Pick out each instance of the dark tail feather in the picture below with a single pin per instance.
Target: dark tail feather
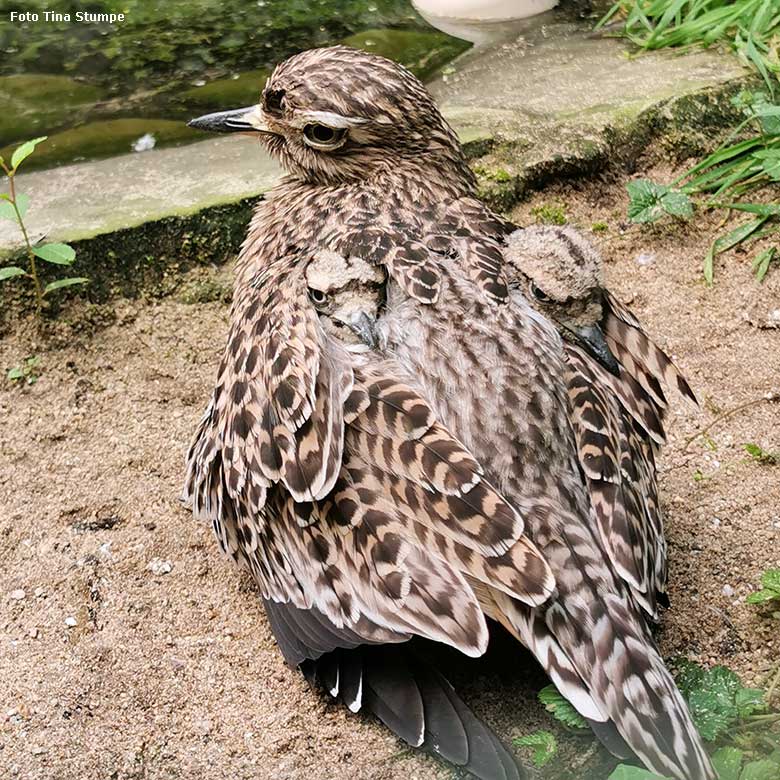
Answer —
(417, 703)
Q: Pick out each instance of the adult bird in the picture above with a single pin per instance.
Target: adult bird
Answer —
(326, 517)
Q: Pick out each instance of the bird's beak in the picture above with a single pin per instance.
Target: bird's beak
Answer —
(238, 120)
(591, 339)
(364, 327)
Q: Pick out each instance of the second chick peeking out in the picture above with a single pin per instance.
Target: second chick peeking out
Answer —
(559, 272)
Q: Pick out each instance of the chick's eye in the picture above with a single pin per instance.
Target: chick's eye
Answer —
(318, 297)
(274, 101)
(322, 136)
(540, 295)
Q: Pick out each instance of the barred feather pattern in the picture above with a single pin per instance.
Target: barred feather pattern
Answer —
(641, 358)
(332, 482)
(619, 466)
(496, 375)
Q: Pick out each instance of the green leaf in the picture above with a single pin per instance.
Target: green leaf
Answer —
(10, 271)
(24, 151)
(749, 701)
(771, 579)
(677, 203)
(625, 772)
(762, 209)
(761, 262)
(544, 745)
(709, 265)
(15, 373)
(688, 677)
(712, 703)
(761, 770)
(59, 254)
(762, 596)
(649, 201)
(727, 762)
(7, 209)
(60, 283)
(739, 234)
(560, 708)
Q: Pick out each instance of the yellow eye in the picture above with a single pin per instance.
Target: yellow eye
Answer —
(322, 136)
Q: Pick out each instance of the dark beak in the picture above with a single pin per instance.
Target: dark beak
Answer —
(238, 120)
(591, 339)
(364, 327)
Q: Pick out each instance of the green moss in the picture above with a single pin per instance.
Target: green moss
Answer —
(599, 227)
(103, 139)
(422, 52)
(208, 289)
(234, 92)
(550, 214)
(33, 104)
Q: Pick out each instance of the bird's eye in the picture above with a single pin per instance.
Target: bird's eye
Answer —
(540, 295)
(318, 297)
(274, 101)
(323, 137)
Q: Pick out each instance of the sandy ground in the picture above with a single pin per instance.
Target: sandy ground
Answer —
(131, 649)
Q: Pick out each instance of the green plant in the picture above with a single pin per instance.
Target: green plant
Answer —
(544, 746)
(626, 772)
(13, 206)
(649, 201)
(730, 172)
(770, 590)
(599, 227)
(550, 214)
(26, 372)
(749, 27)
(560, 708)
(762, 456)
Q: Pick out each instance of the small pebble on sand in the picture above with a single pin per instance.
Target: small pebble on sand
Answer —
(18, 594)
(645, 258)
(728, 591)
(71, 622)
(157, 566)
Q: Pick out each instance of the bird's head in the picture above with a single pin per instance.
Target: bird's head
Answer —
(338, 114)
(560, 274)
(347, 293)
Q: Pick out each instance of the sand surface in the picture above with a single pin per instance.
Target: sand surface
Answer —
(129, 648)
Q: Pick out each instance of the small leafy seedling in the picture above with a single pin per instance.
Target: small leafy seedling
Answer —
(13, 206)
(770, 589)
(544, 746)
(648, 202)
(26, 372)
(761, 456)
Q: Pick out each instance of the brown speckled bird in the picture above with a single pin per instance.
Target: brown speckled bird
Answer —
(412, 488)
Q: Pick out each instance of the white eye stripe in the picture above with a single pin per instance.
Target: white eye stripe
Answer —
(330, 119)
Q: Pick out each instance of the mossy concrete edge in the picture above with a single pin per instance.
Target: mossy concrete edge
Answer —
(510, 168)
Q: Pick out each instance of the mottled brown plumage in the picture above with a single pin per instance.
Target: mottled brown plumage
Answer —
(411, 488)
(617, 422)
